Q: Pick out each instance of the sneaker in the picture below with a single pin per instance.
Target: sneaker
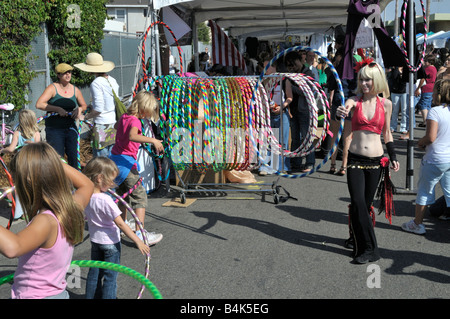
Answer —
(413, 228)
(366, 257)
(262, 173)
(349, 243)
(131, 223)
(152, 237)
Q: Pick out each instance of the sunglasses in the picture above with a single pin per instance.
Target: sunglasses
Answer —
(66, 72)
(374, 64)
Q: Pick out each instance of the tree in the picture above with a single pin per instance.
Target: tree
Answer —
(203, 33)
(74, 29)
(20, 23)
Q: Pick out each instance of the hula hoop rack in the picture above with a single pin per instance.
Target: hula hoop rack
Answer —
(236, 104)
(223, 104)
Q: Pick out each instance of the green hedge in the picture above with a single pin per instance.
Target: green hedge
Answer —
(75, 28)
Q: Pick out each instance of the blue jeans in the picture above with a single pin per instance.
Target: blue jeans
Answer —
(94, 287)
(275, 123)
(425, 101)
(62, 295)
(299, 130)
(399, 103)
(104, 152)
(65, 142)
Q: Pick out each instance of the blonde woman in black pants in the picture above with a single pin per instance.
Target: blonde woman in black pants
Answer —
(371, 115)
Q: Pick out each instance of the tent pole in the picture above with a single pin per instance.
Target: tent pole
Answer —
(158, 49)
(195, 42)
(410, 145)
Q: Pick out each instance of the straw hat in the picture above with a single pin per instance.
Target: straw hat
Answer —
(63, 68)
(95, 64)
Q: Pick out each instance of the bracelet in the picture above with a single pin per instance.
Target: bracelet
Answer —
(391, 151)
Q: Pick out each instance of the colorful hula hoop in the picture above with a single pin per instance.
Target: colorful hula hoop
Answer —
(411, 65)
(153, 80)
(235, 103)
(139, 225)
(110, 266)
(341, 128)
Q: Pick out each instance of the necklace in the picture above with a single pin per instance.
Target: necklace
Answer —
(64, 88)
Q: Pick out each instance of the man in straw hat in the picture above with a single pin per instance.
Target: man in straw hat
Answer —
(103, 107)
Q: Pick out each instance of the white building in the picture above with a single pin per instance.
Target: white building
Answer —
(131, 14)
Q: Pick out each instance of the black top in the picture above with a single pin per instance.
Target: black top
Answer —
(68, 104)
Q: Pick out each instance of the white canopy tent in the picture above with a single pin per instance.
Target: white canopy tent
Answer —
(276, 19)
(272, 18)
(421, 39)
(439, 39)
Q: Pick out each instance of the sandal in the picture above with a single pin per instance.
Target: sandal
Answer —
(332, 169)
(342, 171)
(307, 169)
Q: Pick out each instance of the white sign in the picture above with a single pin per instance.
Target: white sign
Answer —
(364, 37)
(176, 24)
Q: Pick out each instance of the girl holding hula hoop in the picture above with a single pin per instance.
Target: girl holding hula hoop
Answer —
(371, 117)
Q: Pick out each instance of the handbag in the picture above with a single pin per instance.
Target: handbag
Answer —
(103, 135)
(119, 106)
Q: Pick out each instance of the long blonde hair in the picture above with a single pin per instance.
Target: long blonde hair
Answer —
(144, 105)
(28, 123)
(41, 183)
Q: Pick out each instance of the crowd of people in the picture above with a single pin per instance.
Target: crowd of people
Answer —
(57, 214)
(376, 104)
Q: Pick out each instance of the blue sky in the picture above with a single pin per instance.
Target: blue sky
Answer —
(441, 6)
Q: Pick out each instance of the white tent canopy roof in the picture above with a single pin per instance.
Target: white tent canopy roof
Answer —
(272, 17)
(440, 41)
(421, 39)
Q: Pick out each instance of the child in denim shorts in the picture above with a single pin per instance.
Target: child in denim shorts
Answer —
(124, 153)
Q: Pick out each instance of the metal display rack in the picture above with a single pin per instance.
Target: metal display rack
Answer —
(264, 188)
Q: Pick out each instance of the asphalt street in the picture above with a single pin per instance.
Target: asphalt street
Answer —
(244, 246)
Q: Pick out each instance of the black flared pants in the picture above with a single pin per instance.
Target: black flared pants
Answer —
(363, 176)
